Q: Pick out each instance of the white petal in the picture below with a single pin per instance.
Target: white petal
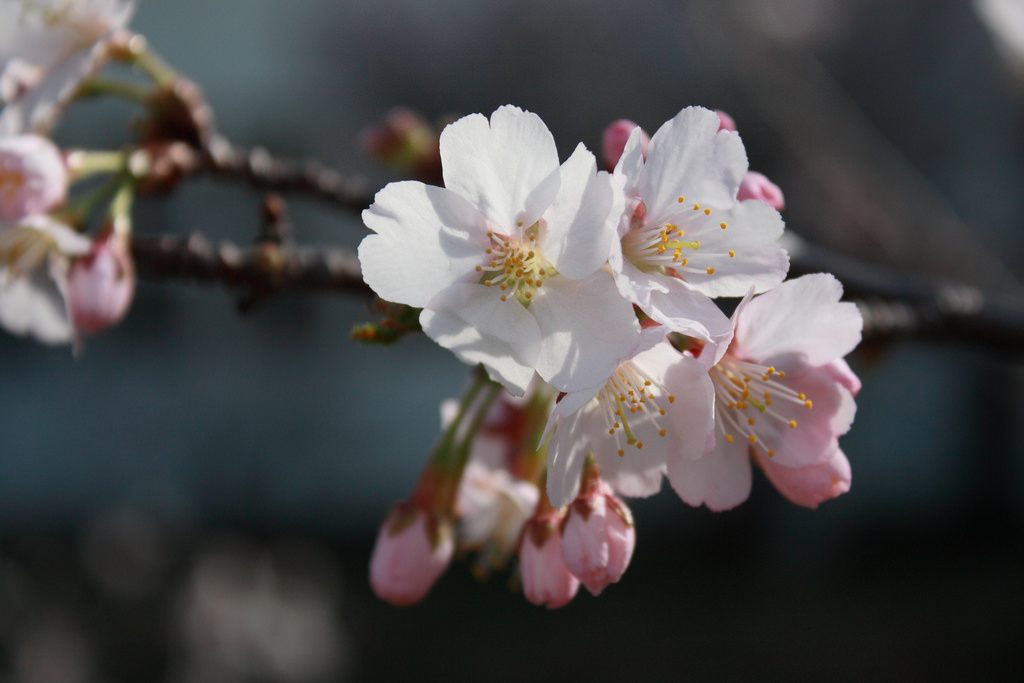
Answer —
(507, 168)
(566, 455)
(582, 221)
(689, 157)
(752, 234)
(586, 329)
(427, 238)
(692, 415)
(631, 163)
(472, 322)
(691, 313)
(66, 240)
(802, 319)
(33, 304)
(721, 479)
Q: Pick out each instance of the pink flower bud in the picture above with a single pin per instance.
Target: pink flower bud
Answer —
(405, 141)
(546, 579)
(33, 179)
(756, 186)
(101, 285)
(413, 549)
(598, 538)
(811, 485)
(613, 141)
(725, 121)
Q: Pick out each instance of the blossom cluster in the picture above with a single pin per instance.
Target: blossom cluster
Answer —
(56, 283)
(597, 289)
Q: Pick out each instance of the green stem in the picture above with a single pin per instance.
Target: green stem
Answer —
(77, 212)
(155, 67)
(98, 87)
(121, 208)
(83, 164)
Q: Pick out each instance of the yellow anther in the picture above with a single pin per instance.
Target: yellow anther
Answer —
(752, 438)
(732, 253)
(782, 374)
(621, 452)
(751, 421)
(681, 199)
(479, 268)
(723, 226)
(770, 370)
(671, 398)
(802, 396)
(808, 404)
(707, 212)
(639, 444)
(792, 424)
(710, 270)
(696, 207)
(683, 261)
(729, 438)
(662, 432)
(770, 453)
(661, 411)
(504, 298)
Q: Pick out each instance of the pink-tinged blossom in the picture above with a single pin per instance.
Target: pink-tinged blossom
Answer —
(33, 178)
(47, 48)
(506, 260)
(101, 285)
(756, 186)
(656, 407)
(684, 236)
(598, 537)
(493, 505)
(782, 395)
(614, 138)
(35, 256)
(547, 580)
(413, 549)
(810, 485)
(725, 122)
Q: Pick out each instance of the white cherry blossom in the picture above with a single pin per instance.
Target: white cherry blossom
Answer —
(684, 236)
(655, 408)
(47, 47)
(34, 262)
(507, 259)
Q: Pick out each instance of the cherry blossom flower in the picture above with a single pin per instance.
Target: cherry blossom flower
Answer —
(547, 580)
(33, 178)
(684, 236)
(598, 537)
(506, 260)
(34, 261)
(657, 406)
(782, 395)
(413, 549)
(101, 284)
(493, 506)
(47, 48)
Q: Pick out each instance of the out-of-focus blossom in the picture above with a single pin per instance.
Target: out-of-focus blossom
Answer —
(781, 395)
(506, 260)
(47, 48)
(101, 284)
(1005, 19)
(406, 142)
(756, 186)
(33, 178)
(598, 537)
(413, 549)
(493, 506)
(614, 139)
(35, 258)
(547, 580)
(656, 407)
(684, 236)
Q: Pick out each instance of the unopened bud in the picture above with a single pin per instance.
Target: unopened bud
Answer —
(413, 549)
(547, 580)
(598, 537)
(613, 141)
(404, 141)
(757, 186)
(101, 284)
(725, 121)
(33, 178)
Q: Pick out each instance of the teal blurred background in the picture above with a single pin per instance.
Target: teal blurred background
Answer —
(195, 497)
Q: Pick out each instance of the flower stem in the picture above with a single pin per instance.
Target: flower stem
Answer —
(155, 67)
(98, 87)
(82, 164)
(121, 208)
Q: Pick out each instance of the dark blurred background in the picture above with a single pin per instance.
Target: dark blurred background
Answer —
(196, 496)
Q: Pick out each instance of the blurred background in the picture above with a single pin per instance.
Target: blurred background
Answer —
(195, 497)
